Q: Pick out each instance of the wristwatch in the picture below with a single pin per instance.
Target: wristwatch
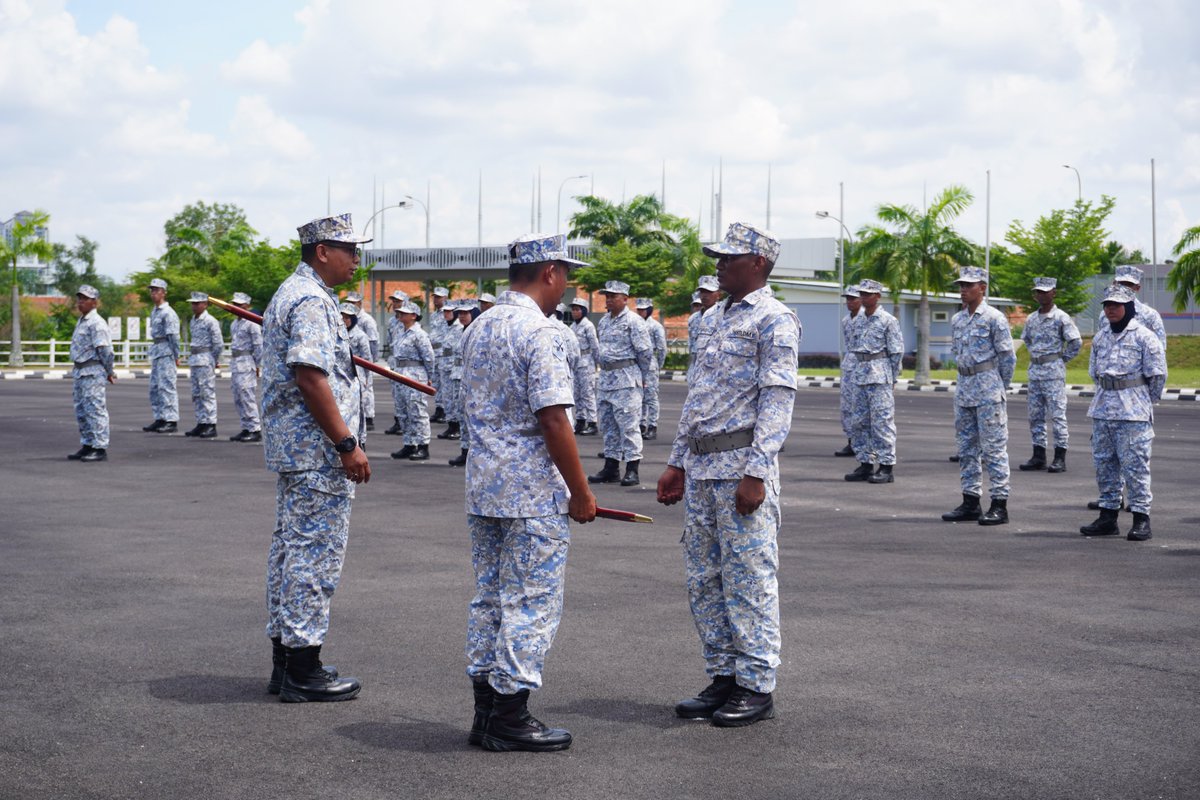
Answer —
(346, 445)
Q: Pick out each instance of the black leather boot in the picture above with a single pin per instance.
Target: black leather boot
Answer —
(1036, 462)
(453, 431)
(847, 451)
(1140, 531)
(279, 664)
(439, 415)
(80, 453)
(305, 680)
(1059, 464)
(591, 430)
(405, 452)
(395, 430)
(968, 511)
(154, 427)
(195, 431)
(95, 454)
(651, 433)
(370, 423)
(862, 473)
(240, 436)
(631, 474)
(611, 472)
(954, 458)
(512, 727)
(209, 431)
(997, 513)
(460, 460)
(169, 427)
(420, 454)
(580, 424)
(883, 475)
(711, 698)
(1104, 525)
(744, 707)
(253, 436)
(484, 696)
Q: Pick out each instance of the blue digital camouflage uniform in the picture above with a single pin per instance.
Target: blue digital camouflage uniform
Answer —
(743, 379)
(658, 345)
(245, 346)
(625, 359)
(412, 357)
(1148, 318)
(1123, 419)
(980, 411)
(585, 372)
(92, 355)
(395, 328)
(302, 326)
(164, 353)
(848, 399)
(879, 350)
(450, 368)
(436, 331)
(515, 363)
(370, 329)
(360, 346)
(204, 353)
(1052, 340)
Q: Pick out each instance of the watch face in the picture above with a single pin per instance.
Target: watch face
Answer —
(346, 445)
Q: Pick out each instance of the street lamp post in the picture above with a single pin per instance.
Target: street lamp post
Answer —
(841, 263)
(404, 204)
(1078, 181)
(370, 223)
(558, 208)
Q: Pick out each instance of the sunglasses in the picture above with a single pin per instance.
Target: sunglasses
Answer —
(344, 247)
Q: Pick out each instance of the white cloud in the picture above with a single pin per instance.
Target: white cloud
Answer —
(257, 127)
(259, 65)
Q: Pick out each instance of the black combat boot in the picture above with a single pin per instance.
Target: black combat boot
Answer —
(1140, 531)
(848, 450)
(968, 511)
(405, 452)
(631, 474)
(744, 707)
(580, 424)
(591, 430)
(862, 473)
(196, 430)
(611, 473)
(484, 695)
(1037, 460)
(209, 431)
(95, 454)
(460, 460)
(512, 727)
(305, 680)
(279, 664)
(253, 436)
(453, 431)
(154, 427)
(883, 475)
(954, 458)
(80, 453)
(169, 427)
(395, 430)
(240, 436)
(370, 423)
(651, 433)
(711, 698)
(997, 513)
(439, 415)
(1059, 464)
(420, 454)
(1104, 525)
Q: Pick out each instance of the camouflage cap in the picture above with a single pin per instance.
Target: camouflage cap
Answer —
(869, 286)
(441, 291)
(1118, 293)
(88, 291)
(348, 308)
(353, 297)
(708, 283)
(615, 287)
(742, 239)
(486, 297)
(241, 298)
(450, 305)
(581, 302)
(644, 303)
(198, 297)
(337, 228)
(467, 303)
(411, 308)
(562, 308)
(1129, 274)
(696, 297)
(850, 291)
(398, 296)
(1044, 284)
(971, 275)
(158, 283)
(538, 248)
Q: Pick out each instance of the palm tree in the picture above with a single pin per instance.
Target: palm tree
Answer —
(918, 251)
(636, 222)
(1184, 277)
(24, 240)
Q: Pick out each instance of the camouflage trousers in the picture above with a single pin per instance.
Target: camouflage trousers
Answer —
(243, 373)
(451, 399)
(308, 547)
(982, 433)
(873, 431)
(204, 394)
(413, 413)
(164, 398)
(650, 400)
(91, 410)
(368, 393)
(620, 412)
(1121, 453)
(847, 403)
(519, 569)
(732, 563)
(1048, 397)
(585, 390)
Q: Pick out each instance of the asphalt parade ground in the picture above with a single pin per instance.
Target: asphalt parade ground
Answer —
(921, 659)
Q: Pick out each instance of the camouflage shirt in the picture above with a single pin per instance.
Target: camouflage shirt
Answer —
(91, 342)
(978, 338)
(208, 345)
(623, 338)
(1050, 334)
(164, 331)
(871, 334)
(1131, 353)
(245, 338)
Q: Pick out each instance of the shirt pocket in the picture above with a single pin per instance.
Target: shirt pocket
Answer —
(739, 346)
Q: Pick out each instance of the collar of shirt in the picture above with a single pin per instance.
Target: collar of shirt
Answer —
(752, 298)
(304, 269)
(511, 298)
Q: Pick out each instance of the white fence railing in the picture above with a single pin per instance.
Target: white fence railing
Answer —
(56, 353)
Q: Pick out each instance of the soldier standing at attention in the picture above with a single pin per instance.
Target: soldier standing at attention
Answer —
(846, 384)
(395, 330)
(658, 344)
(708, 292)
(1129, 366)
(204, 356)
(437, 336)
(878, 353)
(164, 356)
(92, 354)
(466, 311)
(360, 346)
(724, 466)
(449, 366)
(523, 481)
(313, 424)
(983, 351)
(585, 373)
(1052, 340)
(626, 360)
(366, 323)
(245, 345)
(412, 357)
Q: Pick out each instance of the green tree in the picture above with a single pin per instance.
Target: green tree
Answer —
(25, 240)
(1067, 244)
(688, 264)
(1184, 277)
(637, 222)
(917, 251)
(1116, 255)
(644, 267)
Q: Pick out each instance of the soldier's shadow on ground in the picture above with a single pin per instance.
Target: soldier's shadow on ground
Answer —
(211, 689)
(652, 715)
(410, 735)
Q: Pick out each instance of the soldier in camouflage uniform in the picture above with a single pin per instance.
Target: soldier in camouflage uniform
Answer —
(395, 329)
(707, 292)
(437, 335)
(658, 344)
(449, 367)
(1052, 340)
(92, 355)
(848, 389)
(585, 373)
(204, 356)
(245, 345)
(1129, 366)
(360, 346)
(366, 323)
(625, 359)
(313, 423)
(466, 312)
(878, 353)
(983, 351)
(412, 357)
(724, 466)
(486, 301)
(164, 356)
(523, 481)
